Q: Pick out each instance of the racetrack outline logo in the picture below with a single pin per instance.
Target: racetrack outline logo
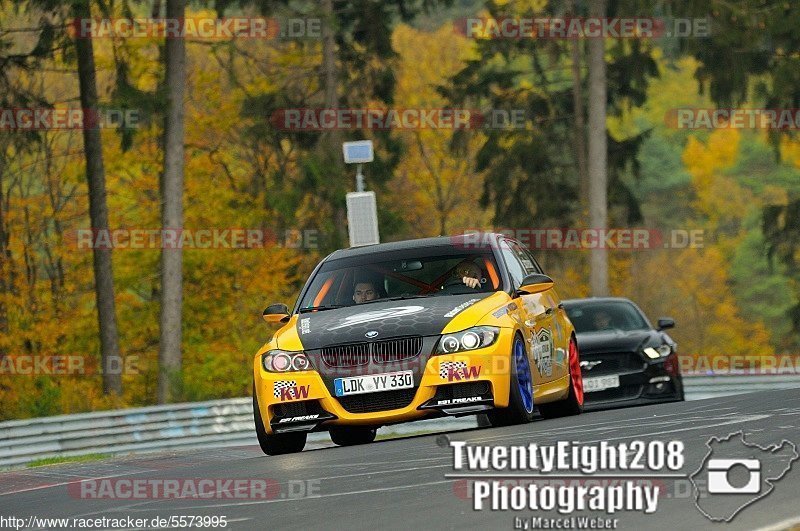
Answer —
(719, 503)
(377, 315)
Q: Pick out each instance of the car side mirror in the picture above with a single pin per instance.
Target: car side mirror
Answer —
(666, 322)
(276, 313)
(536, 283)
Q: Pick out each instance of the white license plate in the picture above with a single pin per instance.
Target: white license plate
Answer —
(599, 383)
(357, 385)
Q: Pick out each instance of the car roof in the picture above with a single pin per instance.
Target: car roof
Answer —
(595, 300)
(438, 241)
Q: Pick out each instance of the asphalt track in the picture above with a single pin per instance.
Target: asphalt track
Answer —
(401, 483)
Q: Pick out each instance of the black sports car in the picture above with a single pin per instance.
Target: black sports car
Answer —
(624, 360)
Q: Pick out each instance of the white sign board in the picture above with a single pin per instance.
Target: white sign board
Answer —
(362, 219)
(358, 152)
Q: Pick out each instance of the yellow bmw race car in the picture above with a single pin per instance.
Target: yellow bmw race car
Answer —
(402, 331)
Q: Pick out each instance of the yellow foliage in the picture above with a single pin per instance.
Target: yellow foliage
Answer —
(438, 192)
(692, 286)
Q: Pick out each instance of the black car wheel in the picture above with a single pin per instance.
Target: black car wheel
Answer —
(352, 436)
(277, 443)
(520, 399)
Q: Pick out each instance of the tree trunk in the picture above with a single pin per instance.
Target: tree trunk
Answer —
(598, 155)
(169, 352)
(98, 211)
(580, 123)
(331, 141)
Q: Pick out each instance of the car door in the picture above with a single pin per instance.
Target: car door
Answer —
(537, 316)
(558, 322)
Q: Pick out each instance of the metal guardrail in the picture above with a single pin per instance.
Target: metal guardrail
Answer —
(697, 387)
(230, 422)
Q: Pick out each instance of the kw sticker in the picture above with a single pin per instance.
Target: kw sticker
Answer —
(455, 371)
(289, 390)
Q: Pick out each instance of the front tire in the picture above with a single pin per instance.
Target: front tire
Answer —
(573, 404)
(352, 436)
(276, 443)
(520, 399)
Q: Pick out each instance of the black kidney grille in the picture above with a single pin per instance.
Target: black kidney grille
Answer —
(383, 401)
(396, 349)
(346, 355)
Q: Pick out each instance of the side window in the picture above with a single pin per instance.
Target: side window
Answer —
(527, 260)
(515, 268)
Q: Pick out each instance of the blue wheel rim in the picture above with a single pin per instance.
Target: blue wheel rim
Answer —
(523, 370)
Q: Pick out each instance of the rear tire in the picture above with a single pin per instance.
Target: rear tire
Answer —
(573, 404)
(352, 436)
(520, 394)
(276, 443)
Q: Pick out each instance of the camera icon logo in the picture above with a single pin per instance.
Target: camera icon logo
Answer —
(736, 473)
(719, 471)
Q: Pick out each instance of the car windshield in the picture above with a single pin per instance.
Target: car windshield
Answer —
(605, 316)
(382, 276)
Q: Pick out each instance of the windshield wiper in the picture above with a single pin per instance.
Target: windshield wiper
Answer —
(319, 308)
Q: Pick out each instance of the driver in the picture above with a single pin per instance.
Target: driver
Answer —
(469, 273)
(602, 320)
(364, 291)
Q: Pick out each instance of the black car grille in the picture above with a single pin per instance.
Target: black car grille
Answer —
(297, 409)
(372, 402)
(463, 390)
(626, 392)
(612, 362)
(386, 351)
(390, 350)
(346, 355)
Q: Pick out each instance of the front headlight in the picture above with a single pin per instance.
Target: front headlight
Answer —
(285, 361)
(469, 339)
(661, 351)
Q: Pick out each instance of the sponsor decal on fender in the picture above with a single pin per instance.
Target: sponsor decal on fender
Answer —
(542, 347)
(463, 305)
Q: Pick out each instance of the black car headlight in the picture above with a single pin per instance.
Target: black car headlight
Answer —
(285, 361)
(469, 339)
(661, 351)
